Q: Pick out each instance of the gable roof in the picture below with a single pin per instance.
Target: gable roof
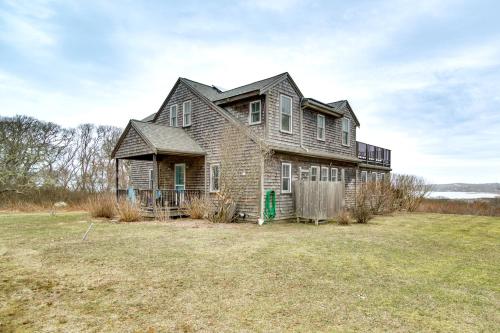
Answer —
(342, 107)
(149, 118)
(320, 106)
(162, 139)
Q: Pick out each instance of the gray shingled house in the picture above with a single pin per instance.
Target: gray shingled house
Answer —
(176, 151)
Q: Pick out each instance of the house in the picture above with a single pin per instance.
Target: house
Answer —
(178, 149)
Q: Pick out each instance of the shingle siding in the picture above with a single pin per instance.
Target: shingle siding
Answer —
(240, 111)
(132, 145)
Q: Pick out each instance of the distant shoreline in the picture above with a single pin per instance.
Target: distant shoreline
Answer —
(462, 195)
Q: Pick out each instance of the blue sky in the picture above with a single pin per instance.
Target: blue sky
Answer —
(422, 76)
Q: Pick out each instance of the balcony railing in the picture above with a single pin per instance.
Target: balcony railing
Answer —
(373, 155)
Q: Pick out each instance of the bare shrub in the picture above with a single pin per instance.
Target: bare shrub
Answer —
(102, 205)
(225, 209)
(128, 211)
(408, 191)
(484, 207)
(379, 196)
(362, 212)
(343, 218)
(198, 207)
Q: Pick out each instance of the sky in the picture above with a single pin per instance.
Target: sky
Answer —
(423, 77)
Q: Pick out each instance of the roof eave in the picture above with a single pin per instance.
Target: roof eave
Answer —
(321, 108)
(227, 100)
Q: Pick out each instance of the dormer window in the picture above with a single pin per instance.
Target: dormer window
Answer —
(346, 131)
(255, 113)
(186, 111)
(173, 115)
(286, 114)
(320, 127)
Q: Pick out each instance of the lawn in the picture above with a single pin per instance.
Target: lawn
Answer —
(415, 272)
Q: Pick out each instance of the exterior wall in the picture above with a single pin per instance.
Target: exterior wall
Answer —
(240, 110)
(132, 145)
(333, 133)
(274, 116)
(370, 171)
(284, 201)
(194, 172)
(139, 174)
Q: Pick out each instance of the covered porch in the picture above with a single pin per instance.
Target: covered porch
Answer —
(167, 168)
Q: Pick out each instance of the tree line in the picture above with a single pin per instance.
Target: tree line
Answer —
(37, 155)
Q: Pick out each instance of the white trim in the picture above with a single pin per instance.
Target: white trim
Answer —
(211, 187)
(336, 175)
(150, 179)
(304, 171)
(175, 178)
(342, 174)
(184, 124)
(366, 176)
(372, 178)
(381, 177)
(289, 177)
(318, 116)
(315, 167)
(176, 115)
(281, 114)
(348, 144)
(250, 113)
(321, 174)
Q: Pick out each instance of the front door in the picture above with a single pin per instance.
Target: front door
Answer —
(180, 183)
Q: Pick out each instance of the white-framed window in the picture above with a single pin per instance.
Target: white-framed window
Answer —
(364, 176)
(286, 114)
(320, 127)
(286, 177)
(324, 174)
(342, 175)
(304, 174)
(214, 177)
(346, 131)
(314, 173)
(381, 177)
(374, 177)
(334, 173)
(150, 180)
(187, 114)
(173, 115)
(254, 113)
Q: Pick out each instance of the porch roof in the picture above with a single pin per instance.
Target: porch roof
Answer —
(312, 153)
(155, 139)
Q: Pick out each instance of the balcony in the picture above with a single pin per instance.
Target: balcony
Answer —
(373, 155)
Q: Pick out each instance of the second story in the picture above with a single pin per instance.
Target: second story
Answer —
(273, 109)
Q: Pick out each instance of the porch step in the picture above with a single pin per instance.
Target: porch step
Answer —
(170, 212)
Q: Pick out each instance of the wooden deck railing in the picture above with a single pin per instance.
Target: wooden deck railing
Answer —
(163, 198)
(373, 155)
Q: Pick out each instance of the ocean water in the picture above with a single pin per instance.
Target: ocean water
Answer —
(461, 195)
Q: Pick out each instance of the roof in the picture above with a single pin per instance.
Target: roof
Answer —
(342, 107)
(320, 106)
(149, 118)
(163, 139)
(312, 152)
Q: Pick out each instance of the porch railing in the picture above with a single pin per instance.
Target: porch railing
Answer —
(373, 155)
(163, 198)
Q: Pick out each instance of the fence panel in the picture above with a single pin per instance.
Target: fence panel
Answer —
(318, 200)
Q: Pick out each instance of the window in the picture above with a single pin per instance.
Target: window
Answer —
(346, 130)
(314, 173)
(381, 177)
(254, 113)
(320, 124)
(286, 114)
(304, 174)
(374, 177)
(324, 174)
(150, 181)
(342, 175)
(186, 111)
(173, 115)
(214, 177)
(364, 176)
(334, 175)
(286, 178)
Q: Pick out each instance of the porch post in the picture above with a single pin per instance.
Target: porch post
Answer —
(116, 177)
(155, 182)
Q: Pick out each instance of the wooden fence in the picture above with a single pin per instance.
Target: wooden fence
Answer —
(317, 201)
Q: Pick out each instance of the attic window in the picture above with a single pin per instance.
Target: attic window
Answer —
(320, 122)
(346, 131)
(173, 115)
(186, 111)
(286, 114)
(254, 117)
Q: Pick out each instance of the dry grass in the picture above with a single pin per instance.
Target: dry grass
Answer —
(198, 207)
(102, 205)
(485, 207)
(128, 212)
(344, 218)
(406, 273)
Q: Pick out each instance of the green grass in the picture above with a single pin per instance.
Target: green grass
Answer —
(418, 272)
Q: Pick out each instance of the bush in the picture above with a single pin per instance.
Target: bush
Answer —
(485, 207)
(362, 211)
(408, 191)
(224, 209)
(102, 205)
(343, 218)
(128, 211)
(198, 207)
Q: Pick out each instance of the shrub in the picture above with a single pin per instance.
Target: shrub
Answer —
(102, 205)
(198, 207)
(224, 209)
(485, 207)
(128, 211)
(343, 218)
(408, 191)
(362, 211)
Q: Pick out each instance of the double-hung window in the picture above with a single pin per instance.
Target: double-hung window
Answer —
(186, 111)
(286, 114)
(173, 115)
(304, 174)
(381, 177)
(334, 174)
(364, 176)
(346, 131)
(374, 177)
(314, 173)
(254, 116)
(320, 127)
(324, 174)
(214, 177)
(286, 178)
